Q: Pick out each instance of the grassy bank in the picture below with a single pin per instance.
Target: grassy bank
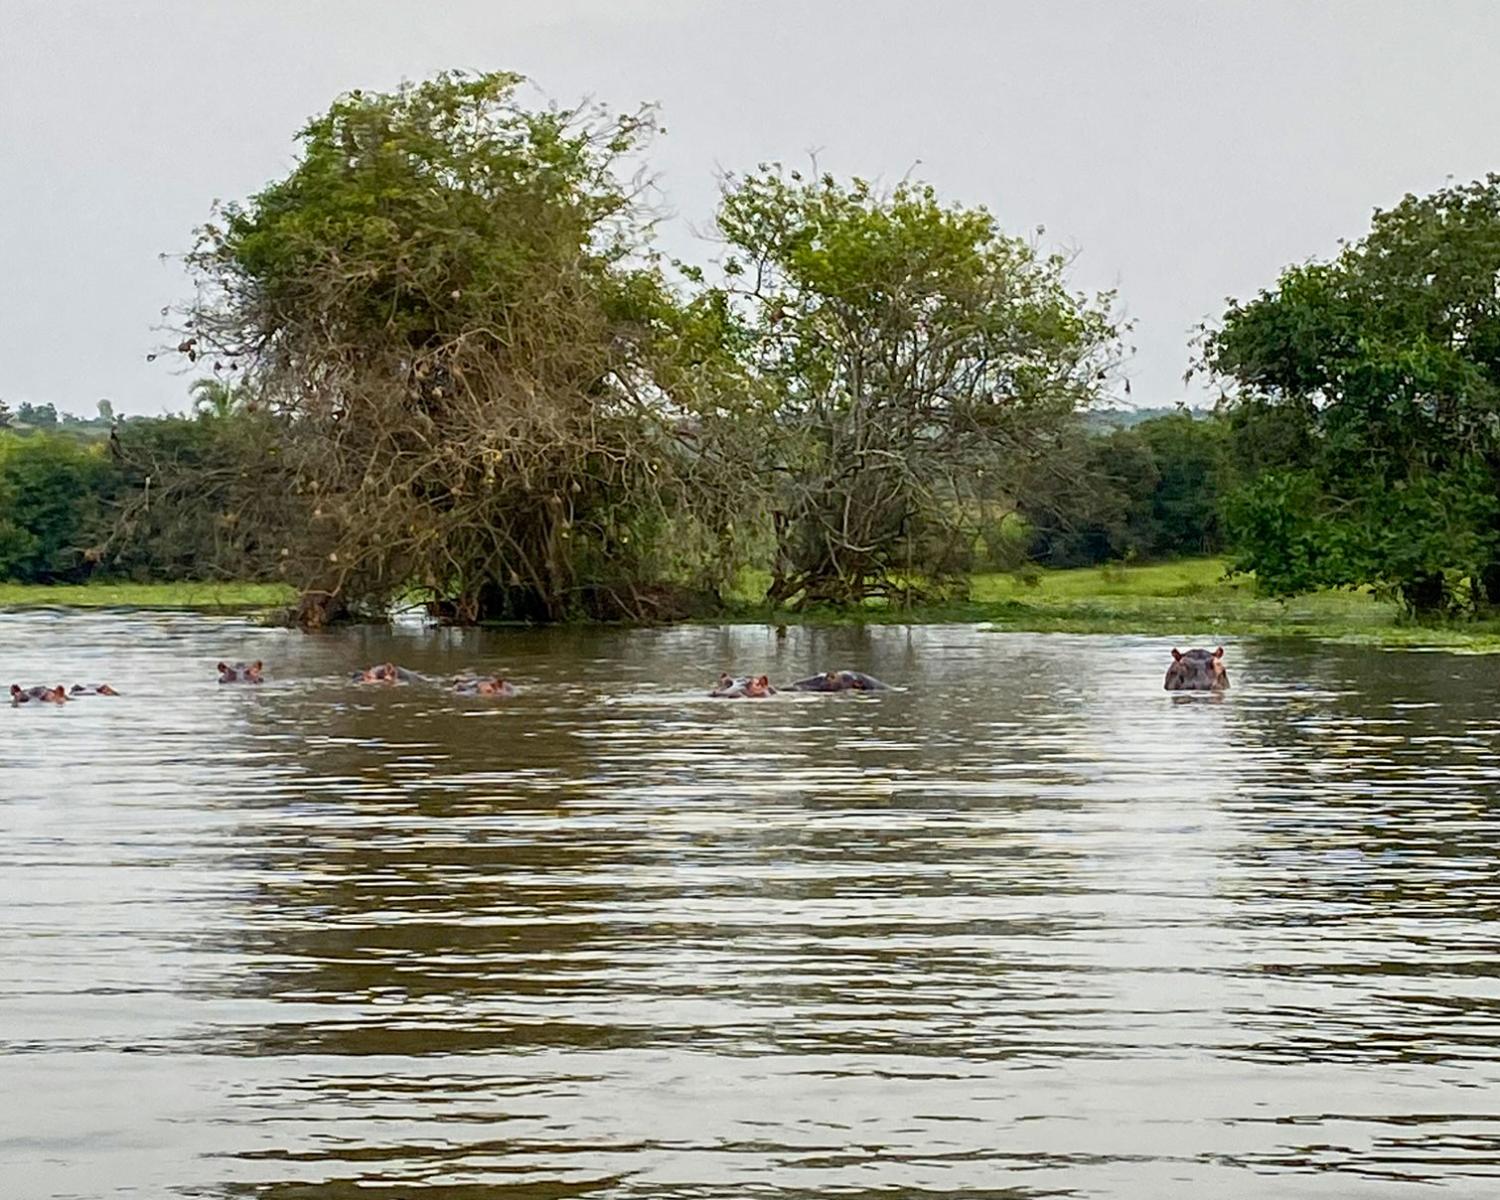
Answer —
(201, 597)
(1186, 599)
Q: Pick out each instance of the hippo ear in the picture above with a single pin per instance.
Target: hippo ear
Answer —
(1219, 653)
(224, 666)
(1176, 654)
(256, 665)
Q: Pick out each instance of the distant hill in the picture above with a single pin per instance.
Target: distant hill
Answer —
(1103, 420)
(44, 418)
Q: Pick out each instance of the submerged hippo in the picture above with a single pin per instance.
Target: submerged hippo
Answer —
(38, 695)
(746, 687)
(1197, 671)
(386, 673)
(93, 689)
(240, 672)
(491, 686)
(840, 681)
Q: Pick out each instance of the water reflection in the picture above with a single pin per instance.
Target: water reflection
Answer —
(1027, 927)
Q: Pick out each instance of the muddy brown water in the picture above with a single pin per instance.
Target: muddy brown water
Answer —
(1027, 927)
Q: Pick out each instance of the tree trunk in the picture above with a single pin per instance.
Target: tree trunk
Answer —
(318, 609)
(1489, 585)
(1425, 595)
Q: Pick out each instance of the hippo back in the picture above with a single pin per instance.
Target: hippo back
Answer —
(840, 681)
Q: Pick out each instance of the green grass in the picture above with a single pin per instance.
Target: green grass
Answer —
(1184, 598)
(203, 597)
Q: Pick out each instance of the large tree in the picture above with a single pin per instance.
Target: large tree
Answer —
(1365, 395)
(486, 391)
(913, 359)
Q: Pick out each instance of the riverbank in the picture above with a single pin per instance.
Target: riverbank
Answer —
(196, 596)
(1186, 599)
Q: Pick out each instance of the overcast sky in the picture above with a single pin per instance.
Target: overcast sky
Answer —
(1185, 150)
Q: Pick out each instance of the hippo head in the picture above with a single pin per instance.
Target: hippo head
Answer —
(39, 695)
(759, 686)
(240, 672)
(93, 689)
(753, 686)
(728, 686)
(1197, 671)
(494, 686)
(380, 673)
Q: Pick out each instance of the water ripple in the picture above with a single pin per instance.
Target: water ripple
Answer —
(1025, 927)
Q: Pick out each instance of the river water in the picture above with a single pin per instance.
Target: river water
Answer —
(1028, 927)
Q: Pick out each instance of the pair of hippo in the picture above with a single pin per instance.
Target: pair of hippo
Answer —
(464, 685)
(1191, 671)
(387, 674)
(58, 694)
(756, 686)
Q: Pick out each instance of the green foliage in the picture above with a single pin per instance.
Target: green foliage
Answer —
(1190, 457)
(160, 501)
(1367, 406)
(35, 416)
(52, 516)
(912, 358)
(186, 497)
(1150, 491)
(1279, 535)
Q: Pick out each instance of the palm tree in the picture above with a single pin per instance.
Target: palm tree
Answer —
(215, 398)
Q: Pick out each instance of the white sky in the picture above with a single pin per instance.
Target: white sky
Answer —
(1186, 151)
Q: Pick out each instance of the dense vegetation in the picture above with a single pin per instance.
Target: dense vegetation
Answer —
(442, 359)
(163, 499)
(1364, 399)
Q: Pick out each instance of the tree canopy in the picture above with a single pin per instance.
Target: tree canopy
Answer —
(918, 359)
(486, 391)
(1367, 390)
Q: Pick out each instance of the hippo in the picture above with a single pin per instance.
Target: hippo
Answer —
(747, 687)
(840, 681)
(385, 673)
(38, 695)
(1197, 671)
(93, 689)
(240, 672)
(490, 686)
